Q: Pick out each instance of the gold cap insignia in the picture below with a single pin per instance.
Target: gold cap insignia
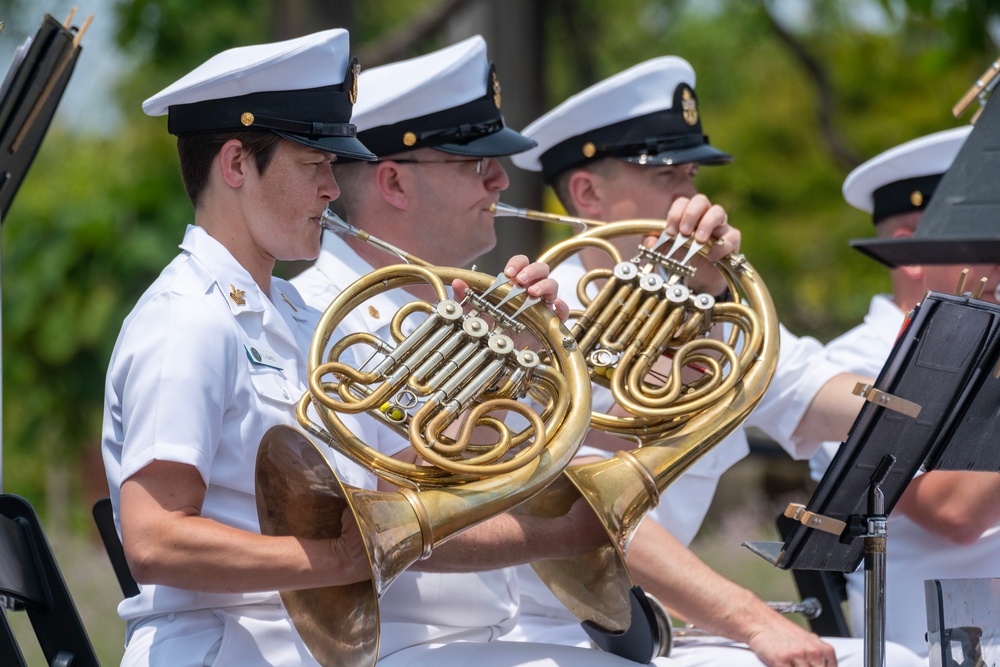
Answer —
(689, 107)
(247, 118)
(351, 82)
(496, 89)
(589, 149)
(916, 198)
(237, 295)
(409, 139)
(373, 312)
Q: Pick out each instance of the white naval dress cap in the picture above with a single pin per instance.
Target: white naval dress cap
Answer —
(448, 100)
(647, 114)
(903, 178)
(302, 89)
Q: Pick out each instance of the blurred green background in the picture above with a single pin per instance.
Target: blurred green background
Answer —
(799, 91)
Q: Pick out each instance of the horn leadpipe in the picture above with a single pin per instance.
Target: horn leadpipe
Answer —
(333, 222)
(498, 209)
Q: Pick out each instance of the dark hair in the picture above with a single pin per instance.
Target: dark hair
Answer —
(197, 151)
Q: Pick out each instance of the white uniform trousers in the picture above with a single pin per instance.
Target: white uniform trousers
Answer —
(715, 651)
(259, 635)
(508, 654)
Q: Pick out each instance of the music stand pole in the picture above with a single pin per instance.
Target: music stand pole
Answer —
(875, 541)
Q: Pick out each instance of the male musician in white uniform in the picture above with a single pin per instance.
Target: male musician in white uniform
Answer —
(436, 125)
(629, 148)
(946, 524)
(213, 355)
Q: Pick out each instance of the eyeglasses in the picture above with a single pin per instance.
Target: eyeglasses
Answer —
(480, 162)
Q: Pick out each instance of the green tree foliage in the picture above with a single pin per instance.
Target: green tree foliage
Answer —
(99, 216)
(891, 79)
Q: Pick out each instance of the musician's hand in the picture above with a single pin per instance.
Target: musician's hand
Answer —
(349, 549)
(533, 276)
(782, 643)
(709, 224)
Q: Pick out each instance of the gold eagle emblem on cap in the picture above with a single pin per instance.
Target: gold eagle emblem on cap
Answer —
(916, 197)
(236, 295)
(351, 82)
(496, 89)
(689, 107)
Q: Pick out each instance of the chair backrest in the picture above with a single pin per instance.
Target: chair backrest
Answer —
(30, 580)
(830, 588)
(105, 519)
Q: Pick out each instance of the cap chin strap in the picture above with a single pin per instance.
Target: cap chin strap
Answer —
(306, 128)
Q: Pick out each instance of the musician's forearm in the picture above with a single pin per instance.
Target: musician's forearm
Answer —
(832, 411)
(687, 587)
(513, 539)
(957, 506)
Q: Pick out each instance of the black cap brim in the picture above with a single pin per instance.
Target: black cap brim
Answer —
(915, 251)
(348, 147)
(498, 144)
(703, 154)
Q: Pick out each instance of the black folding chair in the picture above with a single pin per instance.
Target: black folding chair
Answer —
(30, 580)
(105, 519)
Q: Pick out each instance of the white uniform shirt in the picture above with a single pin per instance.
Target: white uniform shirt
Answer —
(800, 374)
(419, 607)
(913, 554)
(196, 378)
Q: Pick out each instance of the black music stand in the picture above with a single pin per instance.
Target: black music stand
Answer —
(936, 406)
(29, 95)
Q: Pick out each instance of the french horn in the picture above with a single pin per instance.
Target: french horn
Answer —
(643, 312)
(456, 370)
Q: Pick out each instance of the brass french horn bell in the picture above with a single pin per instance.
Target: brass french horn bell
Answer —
(643, 312)
(456, 370)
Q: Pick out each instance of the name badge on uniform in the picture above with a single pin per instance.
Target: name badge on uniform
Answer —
(262, 357)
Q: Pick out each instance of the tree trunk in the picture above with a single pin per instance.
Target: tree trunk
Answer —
(512, 30)
(294, 18)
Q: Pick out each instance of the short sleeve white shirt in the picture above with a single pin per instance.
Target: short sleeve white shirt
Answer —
(204, 365)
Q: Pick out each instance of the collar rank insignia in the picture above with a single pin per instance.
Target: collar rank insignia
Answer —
(689, 107)
(237, 295)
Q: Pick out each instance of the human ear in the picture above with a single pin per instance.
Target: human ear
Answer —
(233, 162)
(585, 193)
(392, 184)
